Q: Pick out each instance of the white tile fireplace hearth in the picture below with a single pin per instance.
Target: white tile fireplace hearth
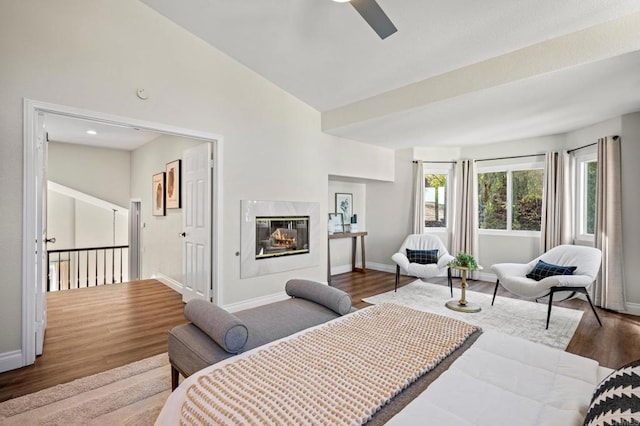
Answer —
(278, 236)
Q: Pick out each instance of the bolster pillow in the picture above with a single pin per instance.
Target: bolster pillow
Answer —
(223, 327)
(332, 298)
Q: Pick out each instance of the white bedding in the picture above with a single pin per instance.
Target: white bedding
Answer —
(500, 380)
(505, 380)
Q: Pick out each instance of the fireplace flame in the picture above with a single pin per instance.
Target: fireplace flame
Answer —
(283, 238)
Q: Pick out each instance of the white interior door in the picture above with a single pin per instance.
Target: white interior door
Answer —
(42, 265)
(197, 175)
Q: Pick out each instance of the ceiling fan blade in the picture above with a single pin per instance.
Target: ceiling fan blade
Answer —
(371, 11)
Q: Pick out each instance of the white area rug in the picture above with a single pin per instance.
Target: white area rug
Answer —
(129, 395)
(510, 316)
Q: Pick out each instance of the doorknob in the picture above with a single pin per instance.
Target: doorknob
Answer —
(182, 234)
(50, 240)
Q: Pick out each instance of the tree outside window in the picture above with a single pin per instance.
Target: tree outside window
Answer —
(590, 196)
(435, 200)
(492, 200)
(510, 200)
(526, 199)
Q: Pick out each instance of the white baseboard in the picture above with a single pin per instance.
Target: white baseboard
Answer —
(255, 302)
(633, 308)
(382, 267)
(487, 276)
(168, 281)
(10, 360)
(335, 270)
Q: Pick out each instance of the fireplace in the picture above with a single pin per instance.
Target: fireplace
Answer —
(281, 236)
(278, 236)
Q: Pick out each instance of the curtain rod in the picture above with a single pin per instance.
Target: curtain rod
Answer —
(581, 147)
(437, 162)
(508, 158)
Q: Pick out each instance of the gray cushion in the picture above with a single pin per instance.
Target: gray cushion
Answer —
(332, 298)
(223, 327)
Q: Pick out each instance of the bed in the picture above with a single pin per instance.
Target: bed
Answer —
(482, 378)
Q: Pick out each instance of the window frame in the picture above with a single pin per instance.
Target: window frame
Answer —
(580, 219)
(509, 169)
(428, 169)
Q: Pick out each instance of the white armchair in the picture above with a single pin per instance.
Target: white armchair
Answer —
(513, 276)
(422, 242)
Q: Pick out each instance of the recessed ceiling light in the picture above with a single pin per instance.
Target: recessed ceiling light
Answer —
(92, 132)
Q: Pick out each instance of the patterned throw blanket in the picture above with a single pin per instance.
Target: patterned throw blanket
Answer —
(340, 373)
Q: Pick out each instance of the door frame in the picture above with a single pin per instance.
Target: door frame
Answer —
(31, 108)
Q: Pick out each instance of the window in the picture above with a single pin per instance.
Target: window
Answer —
(435, 200)
(510, 200)
(586, 203)
(492, 200)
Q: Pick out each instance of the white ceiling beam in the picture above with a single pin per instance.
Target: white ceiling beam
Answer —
(590, 45)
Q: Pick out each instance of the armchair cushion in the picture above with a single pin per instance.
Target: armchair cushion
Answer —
(543, 270)
(422, 257)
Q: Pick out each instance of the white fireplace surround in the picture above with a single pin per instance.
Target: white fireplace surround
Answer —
(250, 209)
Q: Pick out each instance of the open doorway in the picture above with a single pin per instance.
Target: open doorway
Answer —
(36, 115)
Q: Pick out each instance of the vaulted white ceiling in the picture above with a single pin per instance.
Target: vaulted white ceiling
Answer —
(458, 72)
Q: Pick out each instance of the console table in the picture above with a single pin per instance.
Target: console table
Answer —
(354, 237)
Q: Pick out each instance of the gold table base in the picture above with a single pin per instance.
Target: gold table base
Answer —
(468, 307)
(463, 305)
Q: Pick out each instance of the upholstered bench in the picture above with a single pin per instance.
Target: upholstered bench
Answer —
(215, 334)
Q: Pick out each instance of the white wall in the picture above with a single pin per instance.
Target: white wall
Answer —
(161, 245)
(95, 54)
(341, 248)
(61, 219)
(101, 172)
(389, 212)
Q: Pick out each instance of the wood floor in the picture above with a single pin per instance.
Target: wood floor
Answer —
(96, 329)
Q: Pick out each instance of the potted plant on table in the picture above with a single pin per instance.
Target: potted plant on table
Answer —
(464, 260)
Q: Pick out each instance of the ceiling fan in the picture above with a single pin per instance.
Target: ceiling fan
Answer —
(371, 11)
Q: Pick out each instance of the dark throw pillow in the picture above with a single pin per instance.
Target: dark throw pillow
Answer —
(616, 400)
(544, 270)
(422, 257)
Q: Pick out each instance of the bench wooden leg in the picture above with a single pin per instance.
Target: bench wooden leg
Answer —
(175, 378)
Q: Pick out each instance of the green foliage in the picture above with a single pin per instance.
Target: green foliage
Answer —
(592, 169)
(464, 260)
(492, 200)
(527, 200)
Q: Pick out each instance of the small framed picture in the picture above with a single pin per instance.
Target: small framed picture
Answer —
(344, 205)
(336, 223)
(174, 184)
(157, 195)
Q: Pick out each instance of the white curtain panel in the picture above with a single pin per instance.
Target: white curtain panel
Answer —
(465, 234)
(556, 222)
(609, 289)
(417, 226)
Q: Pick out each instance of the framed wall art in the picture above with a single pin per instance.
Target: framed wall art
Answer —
(158, 195)
(344, 205)
(174, 184)
(336, 223)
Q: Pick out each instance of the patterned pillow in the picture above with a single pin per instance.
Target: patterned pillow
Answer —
(544, 270)
(422, 257)
(616, 400)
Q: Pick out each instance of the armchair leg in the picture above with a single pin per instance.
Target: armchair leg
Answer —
(586, 293)
(495, 290)
(575, 290)
(397, 277)
(549, 310)
(450, 281)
